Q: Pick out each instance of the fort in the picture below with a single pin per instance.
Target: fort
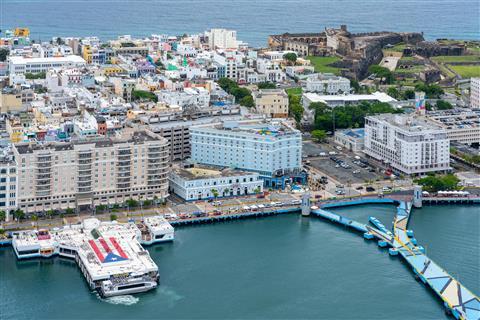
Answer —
(358, 51)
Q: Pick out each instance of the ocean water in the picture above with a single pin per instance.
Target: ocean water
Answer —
(285, 267)
(253, 19)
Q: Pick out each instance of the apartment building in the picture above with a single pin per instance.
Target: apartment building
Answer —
(475, 93)
(8, 182)
(271, 102)
(91, 172)
(222, 39)
(273, 149)
(410, 144)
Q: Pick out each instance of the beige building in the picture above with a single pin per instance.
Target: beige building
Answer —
(272, 102)
(14, 100)
(87, 173)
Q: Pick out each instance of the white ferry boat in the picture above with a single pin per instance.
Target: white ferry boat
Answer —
(34, 244)
(155, 229)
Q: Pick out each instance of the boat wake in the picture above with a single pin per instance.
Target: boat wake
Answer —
(126, 300)
(170, 295)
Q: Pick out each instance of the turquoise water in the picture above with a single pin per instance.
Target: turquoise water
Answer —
(253, 19)
(277, 267)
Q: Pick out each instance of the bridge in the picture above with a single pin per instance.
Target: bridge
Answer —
(460, 302)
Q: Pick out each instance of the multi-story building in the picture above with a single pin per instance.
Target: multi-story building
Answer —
(272, 102)
(461, 127)
(8, 182)
(22, 65)
(91, 172)
(327, 83)
(409, 144)
(273, 149)
(222, 39)
(475, 93)
(203, 182)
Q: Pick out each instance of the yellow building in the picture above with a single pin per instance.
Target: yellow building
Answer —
(21, 32)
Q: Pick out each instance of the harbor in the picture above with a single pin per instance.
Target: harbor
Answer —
(192, 263)
(113, 261)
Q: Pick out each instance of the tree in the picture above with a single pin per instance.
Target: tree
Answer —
(3, 54)
(60, 41)
(69, 211)
(214, 193)
(131, 203)
(19, 214)
(393, 92)
(382, 73)
(147, 203)
(408, 94)
(296, 111)
(319, 135)
(113, 217)
(144, 95)
(50, 213)
(266, 85)
(432, 91)
(247, 101)
(3, 215)
(443, 105)
(290, 57)
(437, 183)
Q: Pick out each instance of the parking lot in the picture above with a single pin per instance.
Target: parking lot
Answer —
(350, 174)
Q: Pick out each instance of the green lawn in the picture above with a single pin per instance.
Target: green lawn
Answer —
(295, 91)
(467, 71)
(446, 59)
(321, 64)
(414, 69)
(397, 48)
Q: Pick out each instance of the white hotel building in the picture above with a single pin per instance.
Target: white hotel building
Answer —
(199, 182)
(409, 144)
(273, 149)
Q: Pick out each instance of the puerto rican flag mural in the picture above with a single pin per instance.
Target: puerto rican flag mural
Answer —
(108, 250)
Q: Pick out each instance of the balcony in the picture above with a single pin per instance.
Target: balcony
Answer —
(85, 161)
(44, 165)
(123, 163)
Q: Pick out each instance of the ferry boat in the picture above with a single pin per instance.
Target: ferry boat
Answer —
(155, 229)
(34, 244)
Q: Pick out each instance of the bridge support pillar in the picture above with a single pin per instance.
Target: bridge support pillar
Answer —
(417, 197)
(306, 204)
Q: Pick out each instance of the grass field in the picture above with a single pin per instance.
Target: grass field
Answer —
(447, 59)
(295, 91)
(467, 71)
(321, 64)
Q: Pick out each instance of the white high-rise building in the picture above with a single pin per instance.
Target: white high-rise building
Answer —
(409, 144)
(475, 93)
(222, 39)
(273, 149)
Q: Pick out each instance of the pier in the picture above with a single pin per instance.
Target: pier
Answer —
(460, 302)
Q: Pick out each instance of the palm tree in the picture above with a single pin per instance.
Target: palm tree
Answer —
(3, 215)
(35, 220)
(214, 193)
(19, 214)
